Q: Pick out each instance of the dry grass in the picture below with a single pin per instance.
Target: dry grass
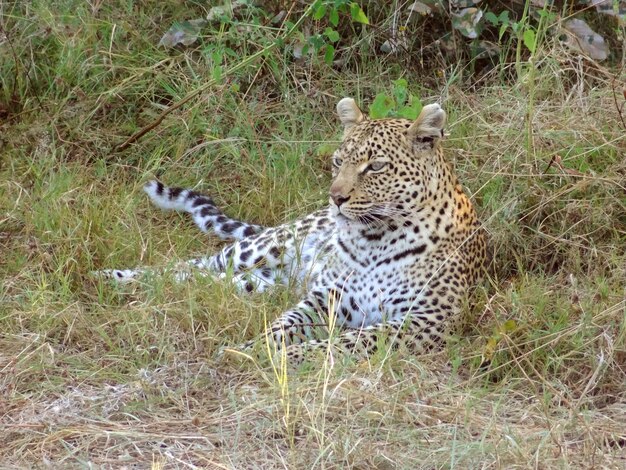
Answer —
(95, 375)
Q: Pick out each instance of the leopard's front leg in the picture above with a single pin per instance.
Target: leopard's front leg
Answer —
(307, 320)
(415, 332)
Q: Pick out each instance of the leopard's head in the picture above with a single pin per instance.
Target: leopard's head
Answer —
(386, 168)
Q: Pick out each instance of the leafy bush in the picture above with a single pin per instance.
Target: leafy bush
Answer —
(457, 30)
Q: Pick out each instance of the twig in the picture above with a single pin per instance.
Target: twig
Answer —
(144, 130)
(617, 105)
(550, 164)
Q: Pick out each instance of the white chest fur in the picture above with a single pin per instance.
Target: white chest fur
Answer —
(371, 274)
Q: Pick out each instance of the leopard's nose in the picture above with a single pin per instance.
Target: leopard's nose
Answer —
(339, 198)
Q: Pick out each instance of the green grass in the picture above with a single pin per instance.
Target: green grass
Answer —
(104, 375)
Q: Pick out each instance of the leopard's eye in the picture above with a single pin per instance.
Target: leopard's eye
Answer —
(376, 166)
(337, 162)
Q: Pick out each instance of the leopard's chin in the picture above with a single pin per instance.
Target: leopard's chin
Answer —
(343, 221)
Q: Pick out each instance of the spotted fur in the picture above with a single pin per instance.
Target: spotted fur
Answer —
(388, 262)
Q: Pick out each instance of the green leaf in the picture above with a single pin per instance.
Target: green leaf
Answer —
(217, 73)
(502, 30)
(331, 34)
(333, 17)
(399, 91)
(358, 14)
(217, 57)
(492, 18)
(381, 106)
(320, 12)
(317, 41)
(509, 326)
(329, 54)
(406, 113)
(401, 83)
(490, 349)
(530, 40)
(412, 110)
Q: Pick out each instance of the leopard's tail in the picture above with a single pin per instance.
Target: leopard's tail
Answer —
(207, 216)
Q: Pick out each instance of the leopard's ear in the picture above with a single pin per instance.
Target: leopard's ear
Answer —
(349, 113)
(428, 127)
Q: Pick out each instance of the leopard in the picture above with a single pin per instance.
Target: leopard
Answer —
(388, 263)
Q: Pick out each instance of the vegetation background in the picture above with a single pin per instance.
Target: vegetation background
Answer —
(95, 375)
